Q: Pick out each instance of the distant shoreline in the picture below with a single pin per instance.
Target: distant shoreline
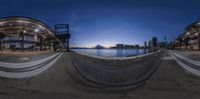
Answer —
(110, 48)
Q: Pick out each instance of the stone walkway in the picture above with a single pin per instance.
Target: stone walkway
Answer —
(18, 57)
(116, 72)
(62, 81)
(190, 54)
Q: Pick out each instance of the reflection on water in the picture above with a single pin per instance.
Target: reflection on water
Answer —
(112, 52)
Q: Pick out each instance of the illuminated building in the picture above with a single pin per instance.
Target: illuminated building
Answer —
(26, 34)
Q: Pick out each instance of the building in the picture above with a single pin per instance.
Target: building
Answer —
(145, 44)
(129, 46)
(62, 33)
(119, 46)
(190, 39)
(150, 44)
(137, 46)
(154, 42)
(26, 34)
(113, 47)
(165, 41)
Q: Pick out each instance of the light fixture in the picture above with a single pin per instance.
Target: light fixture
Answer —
(24, 31)
(188, 33)
(197, 34)
(36, 30)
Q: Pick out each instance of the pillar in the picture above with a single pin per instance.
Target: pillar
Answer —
(186, 43)
(54, 46)
(22, 41)
(1, 45)
(198, 42)
(180, 43)
(67, 45)
(41, 40)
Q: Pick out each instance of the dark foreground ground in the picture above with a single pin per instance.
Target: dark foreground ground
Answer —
(169, 81)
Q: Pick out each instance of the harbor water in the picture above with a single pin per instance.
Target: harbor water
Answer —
(112, 52)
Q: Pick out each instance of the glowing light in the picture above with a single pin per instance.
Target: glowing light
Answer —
(197, 34)
(188, 33)
(24, 31)
(36, 30)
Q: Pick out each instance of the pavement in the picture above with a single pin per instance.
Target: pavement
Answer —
(20, 57)
(61, 81)
(190, 54)
(116, 72)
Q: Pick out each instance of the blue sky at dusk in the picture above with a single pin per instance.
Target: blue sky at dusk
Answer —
(108, 22)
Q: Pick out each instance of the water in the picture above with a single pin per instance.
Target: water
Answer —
(111, 52)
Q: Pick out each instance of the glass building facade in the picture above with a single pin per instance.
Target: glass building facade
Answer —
(26, 34)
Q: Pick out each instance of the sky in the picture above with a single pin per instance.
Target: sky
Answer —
(109, 22)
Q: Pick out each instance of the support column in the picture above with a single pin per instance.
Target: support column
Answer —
(186, 43)
(54, 46)
(180, 43)
(67, 45)
(1, 45)
(22, 41)
(35, 42)
(49, 45)
(41, 45)
(198, 42)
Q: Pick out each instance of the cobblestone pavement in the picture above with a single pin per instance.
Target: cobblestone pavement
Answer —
(116, 72)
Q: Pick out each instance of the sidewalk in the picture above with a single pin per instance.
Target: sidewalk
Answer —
(61, 81)
(18, 57)
(190, 54)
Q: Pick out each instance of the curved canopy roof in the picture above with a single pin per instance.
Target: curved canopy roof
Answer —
(18, 23)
